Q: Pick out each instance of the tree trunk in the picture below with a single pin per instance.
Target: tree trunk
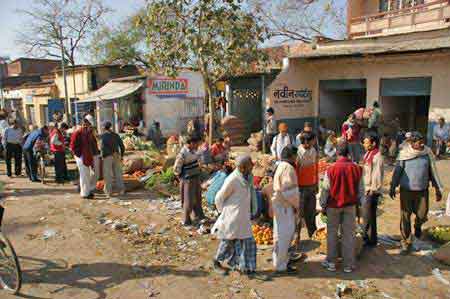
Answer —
(211, 114)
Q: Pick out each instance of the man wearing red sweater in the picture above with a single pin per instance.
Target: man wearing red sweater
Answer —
(340, 191)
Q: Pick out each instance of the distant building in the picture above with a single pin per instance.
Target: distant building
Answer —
(36, 86)
(31, 66)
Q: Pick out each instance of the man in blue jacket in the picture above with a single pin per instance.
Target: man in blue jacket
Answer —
(28, 146)
(414, 171)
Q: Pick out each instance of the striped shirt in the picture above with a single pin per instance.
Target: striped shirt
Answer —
(186, 164)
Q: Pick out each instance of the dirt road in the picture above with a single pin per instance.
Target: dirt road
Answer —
(68, 249)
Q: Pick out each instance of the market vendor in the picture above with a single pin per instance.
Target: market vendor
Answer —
(155, 135)
(187, 168)
(218, 151)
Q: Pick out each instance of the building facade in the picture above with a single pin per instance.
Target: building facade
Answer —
(408, 72)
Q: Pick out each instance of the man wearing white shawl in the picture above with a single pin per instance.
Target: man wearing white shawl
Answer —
(285, 200)
(414, 171)
(236, 201)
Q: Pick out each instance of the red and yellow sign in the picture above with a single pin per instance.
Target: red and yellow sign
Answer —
(168, 86)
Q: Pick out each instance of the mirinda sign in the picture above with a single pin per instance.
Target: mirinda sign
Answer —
(166, 87)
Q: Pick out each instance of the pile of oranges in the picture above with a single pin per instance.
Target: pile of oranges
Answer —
(263, 234)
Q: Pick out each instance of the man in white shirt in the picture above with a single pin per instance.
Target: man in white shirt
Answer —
(281, 140)
(441, 134)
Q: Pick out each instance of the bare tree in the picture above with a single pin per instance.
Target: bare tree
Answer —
(46, 22)
(301, 20)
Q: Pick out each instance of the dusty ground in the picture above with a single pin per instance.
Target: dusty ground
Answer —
(89, 260)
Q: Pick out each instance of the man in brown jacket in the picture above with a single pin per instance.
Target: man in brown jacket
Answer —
(373, 173)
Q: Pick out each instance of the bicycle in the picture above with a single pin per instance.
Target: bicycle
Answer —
(41, 162)
(10, 272)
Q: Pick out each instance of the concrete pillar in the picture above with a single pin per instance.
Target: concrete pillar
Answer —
(228, 97)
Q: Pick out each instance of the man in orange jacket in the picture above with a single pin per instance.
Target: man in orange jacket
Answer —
(308, 178)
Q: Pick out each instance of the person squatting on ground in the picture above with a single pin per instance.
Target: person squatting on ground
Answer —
(308, 178)
(341, 190)
(441, 135)
(373, 170)
(285, 203)
(414, 170)
(236, 201)
(112, 151)
(83, 145)
(187, 169)
(58, 148)
(12, 143)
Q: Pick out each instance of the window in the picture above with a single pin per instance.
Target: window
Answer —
(391, 5)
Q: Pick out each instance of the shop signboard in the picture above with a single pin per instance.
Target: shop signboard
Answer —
(291, 102)
(168, 87)
(174, 101)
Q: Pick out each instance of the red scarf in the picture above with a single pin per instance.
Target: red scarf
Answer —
(368, 157)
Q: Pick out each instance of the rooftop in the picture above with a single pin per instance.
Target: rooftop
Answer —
(34, 59)
(414, 42)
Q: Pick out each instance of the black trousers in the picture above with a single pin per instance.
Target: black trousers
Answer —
(60, 167)
(2, 211)
(31, 164)
(14, 151)
(370, 220)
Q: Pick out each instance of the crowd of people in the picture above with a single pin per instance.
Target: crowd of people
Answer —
(95, 154)
(350, 189)
(352, 185)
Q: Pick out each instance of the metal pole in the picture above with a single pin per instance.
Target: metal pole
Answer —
(263, 103)
(2, 71)
(63, 68)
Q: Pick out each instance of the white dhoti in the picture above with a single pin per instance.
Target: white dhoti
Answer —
(87, 178)
(284, 231)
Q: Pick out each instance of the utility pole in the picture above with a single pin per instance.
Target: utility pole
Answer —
(2, 73)
(63, 68)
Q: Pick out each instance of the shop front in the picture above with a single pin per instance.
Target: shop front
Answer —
(411, 83)
(119, 101)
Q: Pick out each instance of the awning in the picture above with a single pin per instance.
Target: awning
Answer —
(113, 90)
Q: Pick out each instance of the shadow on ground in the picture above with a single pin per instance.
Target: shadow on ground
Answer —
(95, 277)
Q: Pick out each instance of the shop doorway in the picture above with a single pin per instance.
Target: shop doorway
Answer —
(407, 99)
(338, 99)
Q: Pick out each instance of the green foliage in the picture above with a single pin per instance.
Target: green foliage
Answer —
(440, 234)
(119, 45)
(165, 177)
(215, 37)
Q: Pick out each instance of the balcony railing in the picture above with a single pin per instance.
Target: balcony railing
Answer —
(432, 15)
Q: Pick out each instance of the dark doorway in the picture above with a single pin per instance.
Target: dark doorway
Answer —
(338, 99)
(407, 99)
